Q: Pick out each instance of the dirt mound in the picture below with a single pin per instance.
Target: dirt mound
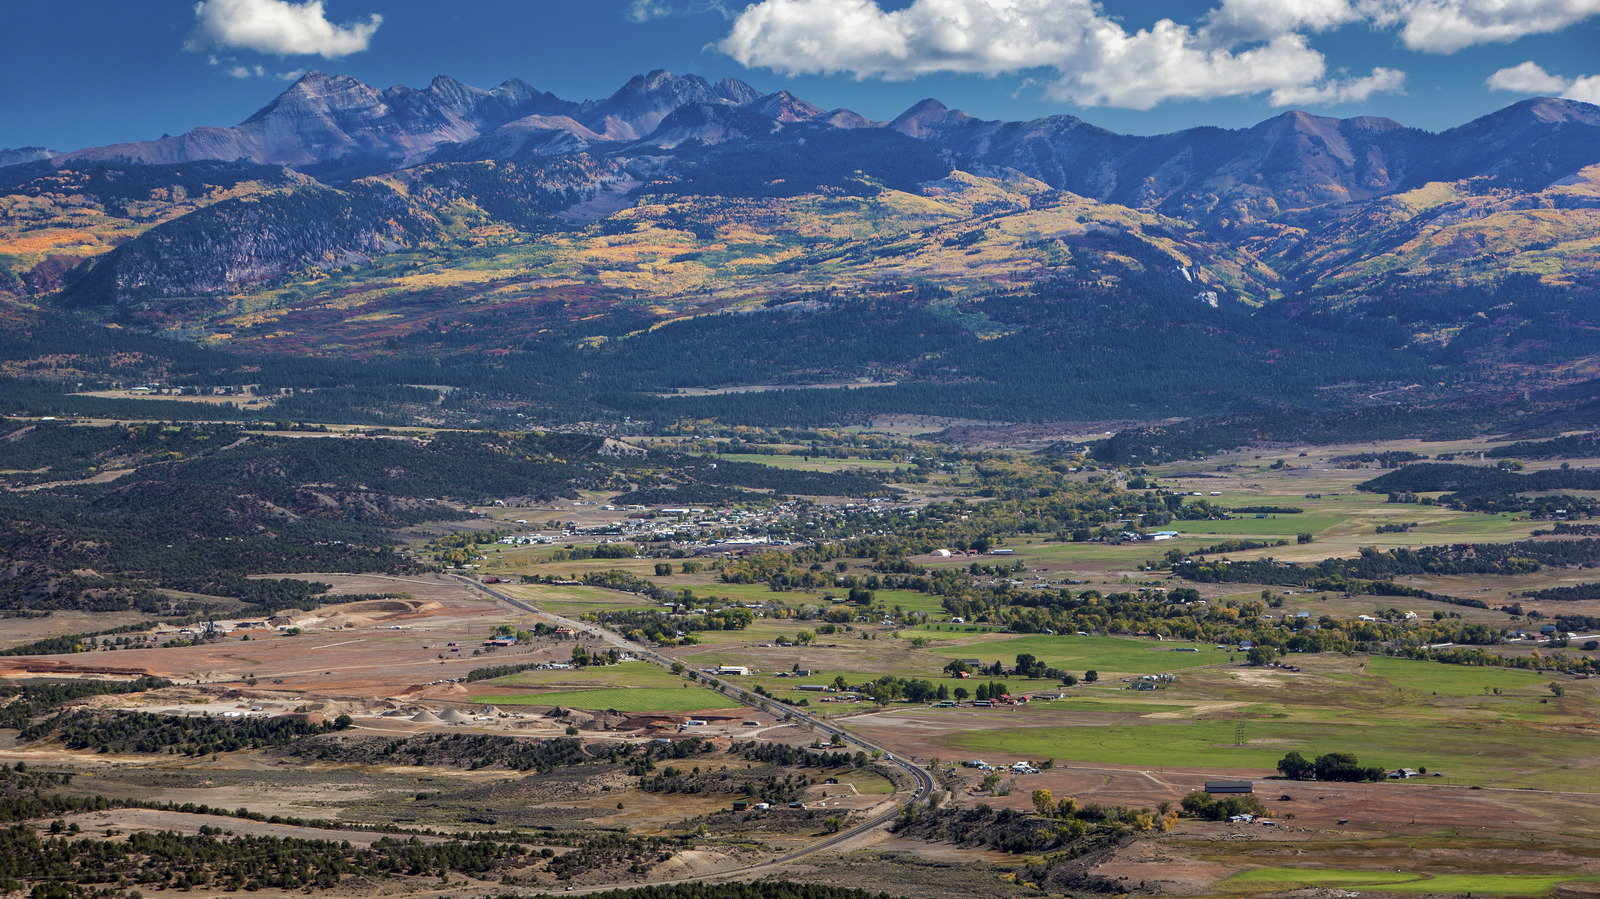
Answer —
(332, 709)
(426, 717)
(446, 691)
(387, 605)
(452, 716)
(689, 863)
(657, 722)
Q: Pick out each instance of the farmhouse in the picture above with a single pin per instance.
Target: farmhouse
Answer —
(1216, 787)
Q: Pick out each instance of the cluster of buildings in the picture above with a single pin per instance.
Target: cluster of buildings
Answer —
(705, 531)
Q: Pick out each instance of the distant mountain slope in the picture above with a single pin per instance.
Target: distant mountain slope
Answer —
(23, 155)
(1455, 232)
(639, 106)
(327, 118)
(1292, 161)
(1527, 145)
(225, 247)
(52, 219)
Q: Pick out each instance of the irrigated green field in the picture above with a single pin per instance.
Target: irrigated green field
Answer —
(627, 676)
(1279, 879)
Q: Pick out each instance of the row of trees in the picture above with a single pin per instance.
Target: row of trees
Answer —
(1339, 767)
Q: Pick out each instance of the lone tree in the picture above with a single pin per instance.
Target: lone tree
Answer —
(1296, 767)
(1044, 804)
(1091, 676)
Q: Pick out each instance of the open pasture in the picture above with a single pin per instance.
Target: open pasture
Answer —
(1071, 652)
(572, 601)
(856, 660)
(1462, 680)
(626, 676)
(1278, 879)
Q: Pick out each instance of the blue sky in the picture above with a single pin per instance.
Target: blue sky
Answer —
(78, 73)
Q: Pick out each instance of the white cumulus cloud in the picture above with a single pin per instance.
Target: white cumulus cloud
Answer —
(1445, 26)
(1528, 78)
(1585, 90)
(1531, 78)
(1242, 47)
(1244, 20)
(279, 27)
(1348, 90)
(1140, 70)
(971, 36)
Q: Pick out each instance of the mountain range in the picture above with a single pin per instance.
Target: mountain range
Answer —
(345, 219)
(1294, 161)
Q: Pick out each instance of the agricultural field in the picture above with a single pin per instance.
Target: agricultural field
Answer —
(626, 676)
(1275, 879)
